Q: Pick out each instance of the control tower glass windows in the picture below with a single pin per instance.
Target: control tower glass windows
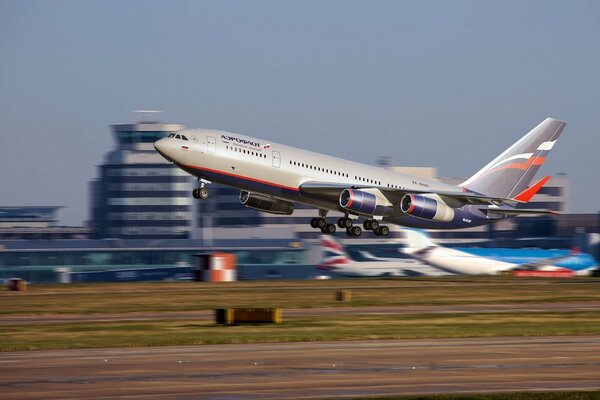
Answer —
(127, 137)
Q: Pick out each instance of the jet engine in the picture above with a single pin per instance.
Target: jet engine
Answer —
(426, 207)
(266, 203)
(365, 201)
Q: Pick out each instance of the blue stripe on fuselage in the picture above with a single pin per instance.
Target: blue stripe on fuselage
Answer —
(575, 262)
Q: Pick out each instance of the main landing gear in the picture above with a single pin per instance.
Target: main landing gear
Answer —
(322, 224)
(378, 230)
(347, 224)
(201, 192)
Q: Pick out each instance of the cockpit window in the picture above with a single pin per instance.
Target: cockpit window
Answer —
(172, 135)
(178, 137)
(183, 137)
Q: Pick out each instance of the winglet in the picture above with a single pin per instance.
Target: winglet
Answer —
(528, 193)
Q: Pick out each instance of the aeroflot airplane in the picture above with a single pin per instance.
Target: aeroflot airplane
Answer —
(272, 177)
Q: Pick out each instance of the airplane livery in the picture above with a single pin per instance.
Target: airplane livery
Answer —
(424, 252)
(489, 261)
(272, 177)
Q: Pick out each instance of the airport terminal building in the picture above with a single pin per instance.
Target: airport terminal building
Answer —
(137, 193)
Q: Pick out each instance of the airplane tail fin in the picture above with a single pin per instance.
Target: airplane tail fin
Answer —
(333, 253)
(509, 174)
(417, 239)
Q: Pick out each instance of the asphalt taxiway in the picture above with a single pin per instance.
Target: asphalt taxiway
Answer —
(304, 370)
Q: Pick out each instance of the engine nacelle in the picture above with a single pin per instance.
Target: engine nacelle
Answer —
(365, 201)
(266, 203)
(426, 208)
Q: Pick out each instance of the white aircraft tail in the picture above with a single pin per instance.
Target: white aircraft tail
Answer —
(417, 239)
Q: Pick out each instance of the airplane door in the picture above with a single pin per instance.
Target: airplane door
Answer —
(276, 159)
(212, 144)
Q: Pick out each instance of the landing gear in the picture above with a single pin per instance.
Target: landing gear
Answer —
(371, 225)
(329, 229)
(201, 192)
(344, 223)
(378, 230)
(321, 223)
(318, 223)
(354, 231)
(382, 231)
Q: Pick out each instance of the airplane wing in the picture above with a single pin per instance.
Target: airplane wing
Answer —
(332, 190)
(517, 211)
(545, 261)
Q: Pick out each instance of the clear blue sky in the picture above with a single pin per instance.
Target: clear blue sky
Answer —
(448, 84)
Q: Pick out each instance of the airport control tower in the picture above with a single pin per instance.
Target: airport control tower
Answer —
(139, 195)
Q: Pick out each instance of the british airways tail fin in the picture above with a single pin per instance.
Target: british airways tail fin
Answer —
(333, 253)
(509, 174)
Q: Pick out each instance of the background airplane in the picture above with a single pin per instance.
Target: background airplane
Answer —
(336, 259)
(488, 261)
(272, 177)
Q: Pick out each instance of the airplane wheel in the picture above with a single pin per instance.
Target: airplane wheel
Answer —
(329, 229)
(195, 193)
(321, 223)
(354, 231)
(371, 225)
(202, 193)
(345, 223)
(382, 231)
(313, 222)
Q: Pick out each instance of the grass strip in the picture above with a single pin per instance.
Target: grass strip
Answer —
(195, 332)
(193, 296)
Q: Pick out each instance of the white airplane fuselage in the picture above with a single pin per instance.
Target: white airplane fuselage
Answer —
(277, 170)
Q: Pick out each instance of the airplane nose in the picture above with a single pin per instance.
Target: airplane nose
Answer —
(161, 146)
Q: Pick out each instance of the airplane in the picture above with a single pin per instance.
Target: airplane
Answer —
(490, 261)
(336, 259)
(272, 177)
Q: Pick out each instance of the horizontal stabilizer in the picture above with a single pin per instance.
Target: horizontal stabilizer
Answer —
(528, 193)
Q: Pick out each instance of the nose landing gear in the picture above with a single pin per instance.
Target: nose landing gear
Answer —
(201, 192)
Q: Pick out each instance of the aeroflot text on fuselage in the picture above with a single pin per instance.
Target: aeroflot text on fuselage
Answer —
(273, 178)
(244, 141)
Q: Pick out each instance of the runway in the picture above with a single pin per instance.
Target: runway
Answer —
(304, 370)
(313, 312)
